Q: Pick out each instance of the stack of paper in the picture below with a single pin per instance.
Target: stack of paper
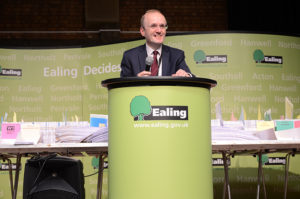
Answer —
(227, 133)
(98, 136)
(288, 134)
(30, 134)
(76, 134)
(9, 132)
(287, 129)
(236, 130)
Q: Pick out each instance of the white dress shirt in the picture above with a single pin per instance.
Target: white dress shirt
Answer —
(150, 52)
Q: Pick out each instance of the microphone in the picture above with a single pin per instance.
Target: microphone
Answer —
(148, 61)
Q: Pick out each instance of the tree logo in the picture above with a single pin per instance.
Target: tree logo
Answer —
(140, 107)
(201, 58)
(259, 57)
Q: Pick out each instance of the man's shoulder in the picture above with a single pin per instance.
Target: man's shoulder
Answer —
(135, 49)
(172, 49)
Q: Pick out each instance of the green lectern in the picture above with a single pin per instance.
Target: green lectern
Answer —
(159, 138)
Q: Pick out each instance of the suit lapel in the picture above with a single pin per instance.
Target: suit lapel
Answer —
(142, 57)
(165, 60)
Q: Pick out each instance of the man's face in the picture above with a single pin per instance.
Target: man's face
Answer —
(154, 29)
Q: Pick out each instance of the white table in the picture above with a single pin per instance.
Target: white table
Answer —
(255, 147)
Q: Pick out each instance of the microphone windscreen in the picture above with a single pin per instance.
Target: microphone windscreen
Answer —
(149, 60)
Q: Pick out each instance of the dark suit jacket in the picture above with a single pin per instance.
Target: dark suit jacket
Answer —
(133, 61)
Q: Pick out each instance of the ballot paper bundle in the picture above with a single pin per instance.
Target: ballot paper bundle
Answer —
(227, 133)
(238, 130)
(76, 134)
(101, 135)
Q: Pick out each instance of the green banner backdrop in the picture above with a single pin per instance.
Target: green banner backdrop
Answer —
(252, 70)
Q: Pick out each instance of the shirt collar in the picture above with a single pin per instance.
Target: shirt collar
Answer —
(150, 50)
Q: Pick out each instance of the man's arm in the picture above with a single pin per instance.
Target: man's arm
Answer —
(182, 68)
(126, 67)
(182, 73)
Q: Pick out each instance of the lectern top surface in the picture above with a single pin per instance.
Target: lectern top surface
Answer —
(159, 81)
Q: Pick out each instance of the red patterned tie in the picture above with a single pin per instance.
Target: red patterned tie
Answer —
(154, 66)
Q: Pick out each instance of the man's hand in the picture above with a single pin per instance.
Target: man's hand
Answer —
(144, 73)
(181, 73)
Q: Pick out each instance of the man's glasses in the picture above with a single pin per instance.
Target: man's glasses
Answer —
(161, 26)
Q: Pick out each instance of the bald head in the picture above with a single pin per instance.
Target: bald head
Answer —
(149, 12)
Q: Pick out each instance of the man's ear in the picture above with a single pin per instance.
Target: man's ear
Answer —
(142, 31)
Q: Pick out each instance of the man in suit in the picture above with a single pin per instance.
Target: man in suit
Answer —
(169, 61)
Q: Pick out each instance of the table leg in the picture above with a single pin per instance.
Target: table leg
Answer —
(10, 177)
(224, 189)
(263, 182)
(226, 177)
(260, 177)
(100, 175)
(286, 175)
(18, 164)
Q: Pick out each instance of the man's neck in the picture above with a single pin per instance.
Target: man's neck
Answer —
(154, 46)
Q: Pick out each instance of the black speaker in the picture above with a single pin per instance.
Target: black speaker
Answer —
(53, 177)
